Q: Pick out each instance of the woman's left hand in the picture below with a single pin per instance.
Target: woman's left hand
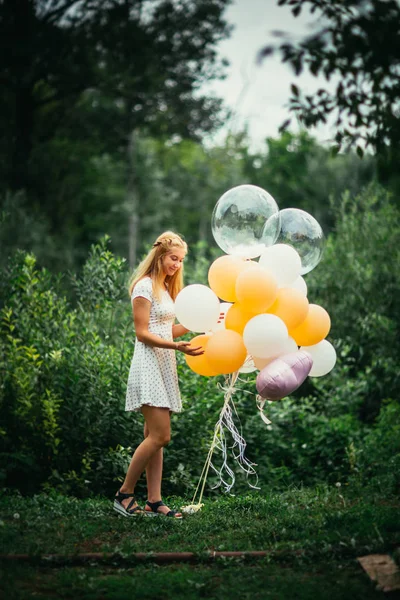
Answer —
(187, 349)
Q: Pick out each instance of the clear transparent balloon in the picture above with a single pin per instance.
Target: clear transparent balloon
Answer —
(241, 222)
(302, 231)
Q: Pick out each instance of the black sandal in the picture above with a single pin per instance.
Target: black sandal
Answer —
(154, 506)
(126, 512)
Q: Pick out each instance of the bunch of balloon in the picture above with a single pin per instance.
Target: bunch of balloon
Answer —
(268, 322)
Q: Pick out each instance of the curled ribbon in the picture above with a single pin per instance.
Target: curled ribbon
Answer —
(226, 422)
(260, 405)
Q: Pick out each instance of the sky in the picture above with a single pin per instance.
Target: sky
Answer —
(258, 93)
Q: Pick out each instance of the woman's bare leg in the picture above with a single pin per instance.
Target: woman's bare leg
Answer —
(158, 423)
(154, 475)
(154, 472)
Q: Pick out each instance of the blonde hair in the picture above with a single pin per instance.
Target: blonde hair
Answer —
(151, 266)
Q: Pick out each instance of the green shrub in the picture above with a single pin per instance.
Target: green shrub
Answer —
(377, 458)
(64, 361)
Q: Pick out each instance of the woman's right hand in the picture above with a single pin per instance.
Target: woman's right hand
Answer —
(187, 349)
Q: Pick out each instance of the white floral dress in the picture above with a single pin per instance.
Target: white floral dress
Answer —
(153, 379)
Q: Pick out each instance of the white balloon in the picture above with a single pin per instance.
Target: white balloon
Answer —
(300, 285)
(324, 358)
(290, 346)
(260, 363)
(265, 335)
(197, 308)
(223, 309)
(283, 262)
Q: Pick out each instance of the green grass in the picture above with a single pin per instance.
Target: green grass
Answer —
(338, 581)
(312, 536)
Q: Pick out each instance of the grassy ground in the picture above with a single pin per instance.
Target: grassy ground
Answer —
(313, 537)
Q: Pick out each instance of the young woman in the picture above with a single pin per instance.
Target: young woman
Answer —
(153, 383)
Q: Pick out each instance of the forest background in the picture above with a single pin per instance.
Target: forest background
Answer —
(102, 149)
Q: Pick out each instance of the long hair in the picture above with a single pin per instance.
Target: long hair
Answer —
(151, 266)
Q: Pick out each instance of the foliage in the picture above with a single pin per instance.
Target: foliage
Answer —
(361, 290)
(357, 45)
(86, 70)
(65, 360)
(300, 173)
(176, 184)
(63, 370)
(381, 446)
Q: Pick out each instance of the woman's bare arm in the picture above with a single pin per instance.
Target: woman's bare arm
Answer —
(178, 330)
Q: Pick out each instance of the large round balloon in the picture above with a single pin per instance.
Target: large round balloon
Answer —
(241, 221)
(223, 273)
(283, 262)
(265, 336)
(284, 375)
(221, 323)
(324, 357)
(199, 364)
(289, 347)
(300, 230)
(197, 308)
(226, 351)
(291, 306)
(314, 328)
(298, 284)
(237, 318)
(256, 289)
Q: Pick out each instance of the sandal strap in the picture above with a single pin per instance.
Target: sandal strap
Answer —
(123, 495)
(131, 503)
(136, 509)
(155, 505)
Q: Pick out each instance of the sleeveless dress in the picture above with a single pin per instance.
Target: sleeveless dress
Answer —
(153, 379)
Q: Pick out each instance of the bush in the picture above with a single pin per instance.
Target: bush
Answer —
(65, 362)
(63, 373)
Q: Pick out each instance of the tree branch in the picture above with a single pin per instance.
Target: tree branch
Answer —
(60, 95)
(53, 15)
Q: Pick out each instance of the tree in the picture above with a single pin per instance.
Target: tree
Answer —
(196, 178)
(300, 173)
(359, 43)
(99, 69)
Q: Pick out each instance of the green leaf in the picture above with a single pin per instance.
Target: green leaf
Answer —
(295, 90)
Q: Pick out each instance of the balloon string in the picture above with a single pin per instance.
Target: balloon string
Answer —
(241, 457)
(229, 390)
(240, 443)
(225, 421)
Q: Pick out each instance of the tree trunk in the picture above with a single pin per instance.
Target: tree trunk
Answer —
(204, 222)
(132, 202)
(24, 111)
(18, 28)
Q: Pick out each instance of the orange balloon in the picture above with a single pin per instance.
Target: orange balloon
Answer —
(314, 328)
(199, 364)
(226, 351)
(256, 289)
(236, 318)
(222, 276)
(291, 306)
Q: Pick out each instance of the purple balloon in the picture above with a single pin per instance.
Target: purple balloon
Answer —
(284, 375)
